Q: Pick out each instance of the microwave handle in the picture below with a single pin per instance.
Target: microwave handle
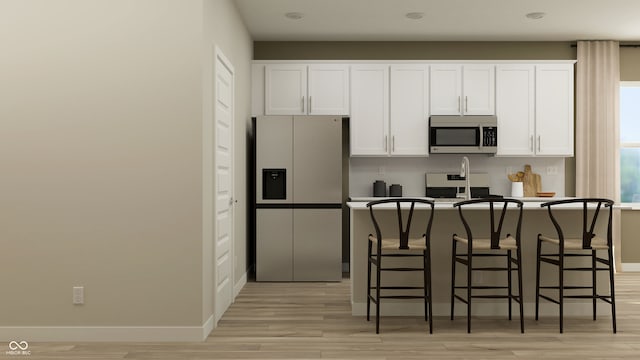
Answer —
(481, 137)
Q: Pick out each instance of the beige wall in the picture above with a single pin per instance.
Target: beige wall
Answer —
(630, 71)
(630, 63)
(630, 230)
(410, 50)
(101, 158)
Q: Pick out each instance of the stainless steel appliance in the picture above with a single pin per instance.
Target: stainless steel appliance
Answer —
(298, 198)
(463, 134)
(453, 185)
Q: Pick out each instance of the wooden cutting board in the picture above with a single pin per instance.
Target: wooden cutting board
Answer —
(531, 182)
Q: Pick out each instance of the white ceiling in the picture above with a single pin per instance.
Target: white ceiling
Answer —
(444, 20)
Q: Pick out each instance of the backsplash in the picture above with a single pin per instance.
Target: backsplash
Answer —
(409, 172)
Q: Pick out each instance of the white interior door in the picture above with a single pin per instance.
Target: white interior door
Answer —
(223, 247)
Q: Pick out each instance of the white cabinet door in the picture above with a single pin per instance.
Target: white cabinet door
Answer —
(285, 89)
(300, 89)
(328, 89)
(554, 109)
(462, 89)
(369, 121)
(446, 89)
(515, 109)
(409, 121)
(478, 89)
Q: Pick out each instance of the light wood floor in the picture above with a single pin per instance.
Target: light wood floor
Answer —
(313, 321)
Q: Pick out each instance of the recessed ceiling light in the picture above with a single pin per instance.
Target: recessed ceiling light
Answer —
(294, 15)
(414, 15)
(535, 15)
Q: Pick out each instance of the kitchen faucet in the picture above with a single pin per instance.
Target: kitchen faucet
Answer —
(466, 173)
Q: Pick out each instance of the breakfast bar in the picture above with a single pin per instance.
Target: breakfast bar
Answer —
(446, 222)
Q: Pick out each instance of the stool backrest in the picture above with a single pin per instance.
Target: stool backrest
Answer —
(403, 228)
(495, 230)
(588, 222)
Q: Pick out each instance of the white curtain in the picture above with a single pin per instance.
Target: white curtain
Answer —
(597, 125)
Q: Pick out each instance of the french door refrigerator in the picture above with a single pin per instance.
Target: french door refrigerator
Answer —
(298, 198)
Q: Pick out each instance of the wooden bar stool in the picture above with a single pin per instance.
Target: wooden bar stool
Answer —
(491, 246)
(399, 245)
(585, 245)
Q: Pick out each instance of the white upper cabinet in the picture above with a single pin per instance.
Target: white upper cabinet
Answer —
(328, 89)
(389, 104)
(515, 109)
(554, 109)
(462, 89)
(535, 109)
(446, 89)
(285, 89)
(409, 122)
(369, 120)
(316, 89)
(478, 89)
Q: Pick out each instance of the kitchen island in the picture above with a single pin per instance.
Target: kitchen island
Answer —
(446, 222)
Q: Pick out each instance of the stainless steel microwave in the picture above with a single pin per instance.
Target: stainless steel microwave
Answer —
(476, 134)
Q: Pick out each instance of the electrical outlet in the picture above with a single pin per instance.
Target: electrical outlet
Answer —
(78, 295)
(552, 170)
(381, 170)
(509, 170)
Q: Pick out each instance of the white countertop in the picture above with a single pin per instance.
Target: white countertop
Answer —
(530, 203)
(451, 200)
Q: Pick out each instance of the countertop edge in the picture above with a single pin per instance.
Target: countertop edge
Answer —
(360, 203)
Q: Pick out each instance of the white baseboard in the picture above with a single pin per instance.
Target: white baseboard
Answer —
(239, 285)
(115, 333)
(208, 326)
(488, 309)
(105, 333)
(631, 267)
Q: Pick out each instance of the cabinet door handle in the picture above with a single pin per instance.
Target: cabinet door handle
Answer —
(302, 103)
(309, 104)
(386, 140)
(393, 143)
(531, 143)
(466, 104)
(539, 143)
(459, 103)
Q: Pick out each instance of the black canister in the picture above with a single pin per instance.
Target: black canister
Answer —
(379, 188)
(395, 190)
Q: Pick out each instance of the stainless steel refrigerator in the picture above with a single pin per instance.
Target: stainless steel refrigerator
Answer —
(298, 198)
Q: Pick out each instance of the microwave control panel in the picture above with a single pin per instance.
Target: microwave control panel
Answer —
(490, 136)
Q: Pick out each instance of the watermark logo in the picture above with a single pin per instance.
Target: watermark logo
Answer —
(18, 348)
